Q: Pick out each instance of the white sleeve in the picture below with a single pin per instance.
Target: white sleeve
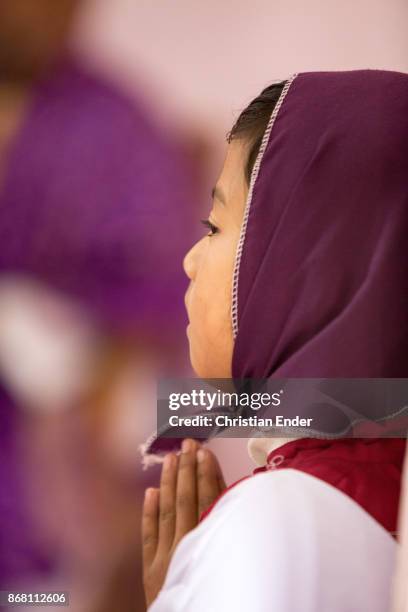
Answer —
(281, 541)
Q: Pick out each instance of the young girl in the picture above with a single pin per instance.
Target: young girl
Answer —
(303, 274)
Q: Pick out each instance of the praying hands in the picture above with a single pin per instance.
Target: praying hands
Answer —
(190, 483)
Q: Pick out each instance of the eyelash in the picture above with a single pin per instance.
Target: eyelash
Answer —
(213, 229)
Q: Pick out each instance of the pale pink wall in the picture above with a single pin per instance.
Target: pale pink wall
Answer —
(205, 59)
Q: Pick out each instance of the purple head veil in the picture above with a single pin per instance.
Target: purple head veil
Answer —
(321, 278)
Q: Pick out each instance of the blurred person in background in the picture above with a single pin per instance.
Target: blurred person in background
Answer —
(95, 218)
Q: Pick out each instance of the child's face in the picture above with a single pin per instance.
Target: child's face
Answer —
(209, 265)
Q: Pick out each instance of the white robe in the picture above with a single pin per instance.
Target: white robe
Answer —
(282, 541)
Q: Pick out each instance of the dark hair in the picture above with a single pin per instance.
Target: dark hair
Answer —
(252, 122)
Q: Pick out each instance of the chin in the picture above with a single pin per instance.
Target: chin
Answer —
(196, 366)
(205, 370)
(206, 361)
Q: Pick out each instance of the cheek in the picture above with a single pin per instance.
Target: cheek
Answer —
(210, 315)
(210, 299)
(210, 332)
(210, 339)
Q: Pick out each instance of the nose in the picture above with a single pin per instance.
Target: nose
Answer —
(191, 260)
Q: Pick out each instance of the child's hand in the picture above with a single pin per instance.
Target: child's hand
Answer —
(189, 484)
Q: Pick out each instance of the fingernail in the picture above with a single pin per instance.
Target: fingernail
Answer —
(149, 495)
(187, 446)
(201, 455)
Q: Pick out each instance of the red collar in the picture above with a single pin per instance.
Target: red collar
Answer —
(367, 470)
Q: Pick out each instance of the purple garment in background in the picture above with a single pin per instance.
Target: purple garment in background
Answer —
(20, 557)
(323, 279)
(97, 203)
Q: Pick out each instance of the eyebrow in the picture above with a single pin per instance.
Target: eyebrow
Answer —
(217, 194)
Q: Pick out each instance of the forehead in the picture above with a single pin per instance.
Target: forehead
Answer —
(232, 181)
(235, 159)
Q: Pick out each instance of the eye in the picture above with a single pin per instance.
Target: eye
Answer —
(207, 223)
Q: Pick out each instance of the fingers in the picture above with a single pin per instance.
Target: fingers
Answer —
(189, 484)
(209, 479)
(186, 499)
(150, 530)
(167, 514)
(221, 482)
(220, 477)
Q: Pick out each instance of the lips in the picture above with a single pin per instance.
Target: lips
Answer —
(186, 297)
